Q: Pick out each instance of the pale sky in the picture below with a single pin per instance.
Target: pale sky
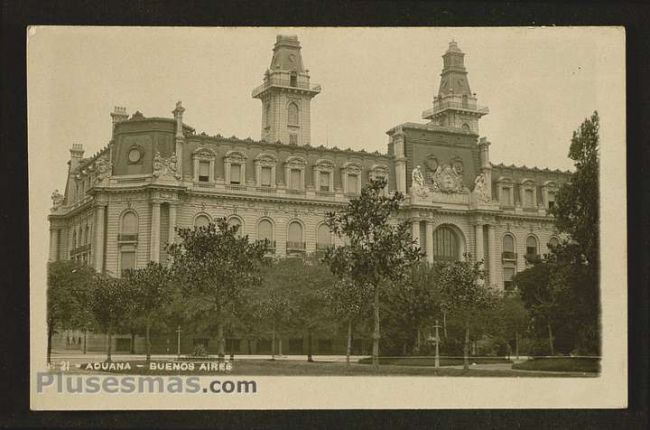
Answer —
(539, 84)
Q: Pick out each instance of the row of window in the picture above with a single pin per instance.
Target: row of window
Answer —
(509, 256)
(528, 193)
(295, 167)
(265, 230)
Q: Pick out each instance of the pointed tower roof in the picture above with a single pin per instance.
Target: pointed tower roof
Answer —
(454, 75)
(286, 54)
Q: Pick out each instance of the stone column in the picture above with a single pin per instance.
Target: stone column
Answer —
(54, 244)
(415, 232)
(429, 241)
(172, 223)
(492, 257)
(154, 243)
(479, 250)
(98, 252)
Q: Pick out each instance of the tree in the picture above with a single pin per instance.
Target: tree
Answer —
(577, 215)
(347, 301)
(151, 286)
(68, 285)
(276, 308)
(413, 304)
(216, 265)
(466, 294)
(112, 302)
(379, 250)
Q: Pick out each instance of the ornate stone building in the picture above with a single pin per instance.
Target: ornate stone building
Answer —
(121, 205)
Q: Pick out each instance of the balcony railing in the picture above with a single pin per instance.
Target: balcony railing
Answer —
(266, 190)
(509, 256)
(323, 246)
(80, 249)
(296, 246)
(315, 88)
(441, 106)
(122, 237)
(271, 248)
(533, 258)
(236, 187)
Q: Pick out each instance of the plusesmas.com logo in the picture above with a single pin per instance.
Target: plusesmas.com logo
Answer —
(93, 384)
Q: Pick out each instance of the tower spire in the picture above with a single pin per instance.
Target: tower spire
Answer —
(286, 95)
(455, 106)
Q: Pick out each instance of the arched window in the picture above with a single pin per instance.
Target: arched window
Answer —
(293, 80)
(129, 223)
(293, 114)
(531, 245)
(324, 237)
(445, 244)
(294, 237)
(509, 248)
(234, 221)
(201, 221)
(265, 230)
(74, 239)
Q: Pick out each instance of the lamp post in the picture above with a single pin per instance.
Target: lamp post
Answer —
(178, 342)
(437, 359)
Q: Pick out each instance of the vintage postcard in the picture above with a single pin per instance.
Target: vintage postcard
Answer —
(327, 218)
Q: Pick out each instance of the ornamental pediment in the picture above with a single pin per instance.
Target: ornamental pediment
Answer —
(204, 154)
(235, 157)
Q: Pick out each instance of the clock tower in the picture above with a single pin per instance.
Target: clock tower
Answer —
(286, 95)
(455, 105)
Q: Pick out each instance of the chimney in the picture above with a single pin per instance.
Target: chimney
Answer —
(76, 155)
(118, 115)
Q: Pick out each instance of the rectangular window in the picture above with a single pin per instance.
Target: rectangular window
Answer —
(204, 171)
(127, 260)
(266, 177)
(353, 184)
(529, 198)
(551, 200)
(505, 196)
(508, 275)
(235, 174)
(293, 139)
(295, 183)
(324, 181)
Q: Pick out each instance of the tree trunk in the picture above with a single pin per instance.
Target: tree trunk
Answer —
(550, 338)
(132, 349)
(220, 341)
(444, 323)
(50, 333)
(85, 340)
(280, 345)
(417, 341)
(517, 345)
(309, 342)
(273, 343)
(250, 347)
(110, 344)
(348, 349)
(466, 346)
(375, 334)
(148, 340)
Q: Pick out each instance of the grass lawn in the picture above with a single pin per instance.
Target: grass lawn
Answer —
(303, 368)
(430, 361)
(561, 364)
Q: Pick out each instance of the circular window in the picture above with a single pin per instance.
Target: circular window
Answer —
(134, 155)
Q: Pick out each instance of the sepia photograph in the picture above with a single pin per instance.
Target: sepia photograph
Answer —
(327, 217)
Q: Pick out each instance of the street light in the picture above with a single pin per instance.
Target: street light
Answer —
(178, 342)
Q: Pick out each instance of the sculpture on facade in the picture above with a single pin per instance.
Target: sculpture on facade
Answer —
(104, 169)
(57, 199)
(418, 182)
(480, 189)
(165, 167)
(446, 179)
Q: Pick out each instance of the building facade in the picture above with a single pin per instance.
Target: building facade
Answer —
(121, 205)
